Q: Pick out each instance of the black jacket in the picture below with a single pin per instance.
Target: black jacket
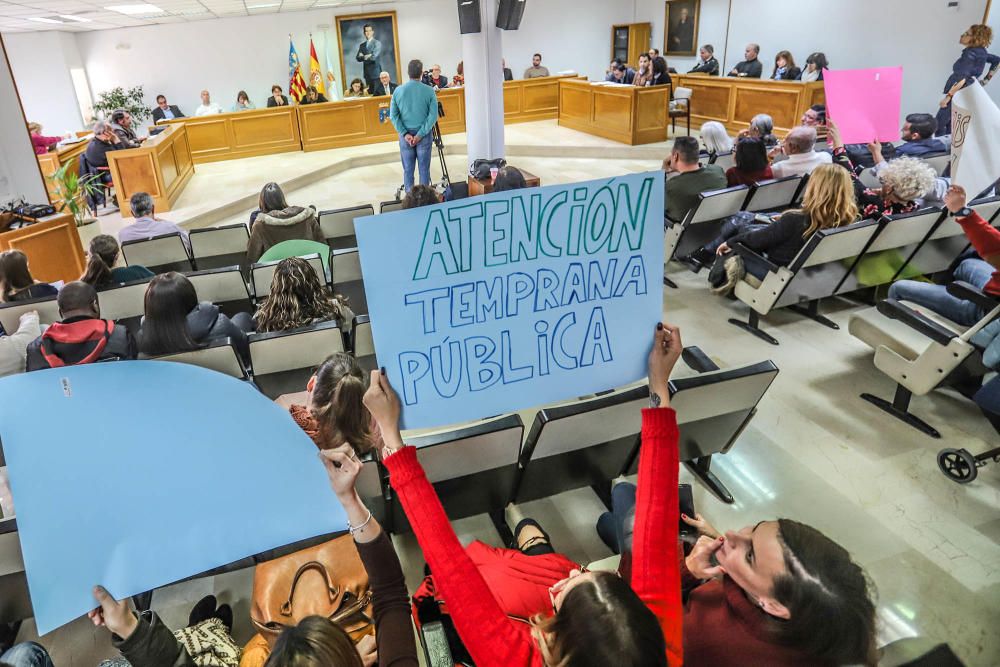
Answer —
(380, 90)
(442, 82)
(272, 103)
(791, 74)
(97, 151)
(752, 69)
(710, 67)
(158, 113)
(79, 340)
(205, 324)
(780, 240)
(507, 74)
(152, 644)
(320, 97)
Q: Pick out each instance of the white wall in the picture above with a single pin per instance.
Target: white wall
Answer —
(41, 62)
(226, 55)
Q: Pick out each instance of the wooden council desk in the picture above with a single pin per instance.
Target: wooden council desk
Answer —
(161, 166)
(51, 162)
(52, 245)
(238, 134)
(365, 120)
(733, 101)
(627, 114)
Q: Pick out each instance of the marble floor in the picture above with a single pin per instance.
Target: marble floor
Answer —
(815, 451)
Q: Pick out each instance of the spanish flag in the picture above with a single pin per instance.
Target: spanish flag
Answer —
(315, 75)
(296, 84)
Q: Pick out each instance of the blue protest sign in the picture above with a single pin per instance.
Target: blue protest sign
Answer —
(491, 304)
(136, 474)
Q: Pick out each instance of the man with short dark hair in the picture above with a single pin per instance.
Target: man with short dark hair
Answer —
(121, 124)
(146, 225)
(918, 134)
(707, 64)
(164, 111)
(690, 179)
(654, 54)
(82, 337)
(414, 112)
(751, 67)
(368, 55)
(622, 74)
(536, 70)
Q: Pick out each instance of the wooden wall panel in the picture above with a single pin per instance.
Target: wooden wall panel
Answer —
(621, 113)
(162, 166)
(239, 134)
(52, 245)
(734, 101)
(532, 99)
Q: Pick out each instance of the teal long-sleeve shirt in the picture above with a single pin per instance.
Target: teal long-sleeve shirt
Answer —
(414, 108)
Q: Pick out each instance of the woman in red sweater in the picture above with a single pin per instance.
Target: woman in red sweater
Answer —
(595, 618)
(782, 593)
(42, 145)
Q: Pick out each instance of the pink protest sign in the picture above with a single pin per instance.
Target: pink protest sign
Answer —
(865, 102)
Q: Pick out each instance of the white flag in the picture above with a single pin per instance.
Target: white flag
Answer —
(975, 126)
(332, 87)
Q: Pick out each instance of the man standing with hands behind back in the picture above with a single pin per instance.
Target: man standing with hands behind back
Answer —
(413, 112)
(368, 55)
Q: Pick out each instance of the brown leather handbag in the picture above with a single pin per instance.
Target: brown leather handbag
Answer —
(326, 580)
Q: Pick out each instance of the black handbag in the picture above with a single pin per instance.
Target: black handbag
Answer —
(481, 169)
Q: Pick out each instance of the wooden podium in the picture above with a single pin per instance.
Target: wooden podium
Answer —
(161, 166)
(627, 114)
(52, 245)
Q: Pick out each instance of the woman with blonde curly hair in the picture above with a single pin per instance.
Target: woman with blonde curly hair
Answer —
(905, 180)
(968, 68)
(298, 298)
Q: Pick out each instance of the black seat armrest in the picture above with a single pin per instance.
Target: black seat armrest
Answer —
(894, 310)
(963, 290)
(698, 360)
(746, 252)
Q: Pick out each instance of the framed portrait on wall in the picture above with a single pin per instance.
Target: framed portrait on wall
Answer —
(368, 45)
(680, 27)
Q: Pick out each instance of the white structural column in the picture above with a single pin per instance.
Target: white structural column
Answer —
(482, 54)
(20, 176)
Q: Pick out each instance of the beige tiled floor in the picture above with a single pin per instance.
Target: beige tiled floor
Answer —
(815, 451)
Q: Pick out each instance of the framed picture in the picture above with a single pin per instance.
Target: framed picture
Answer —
(368, 45)
(680, 34)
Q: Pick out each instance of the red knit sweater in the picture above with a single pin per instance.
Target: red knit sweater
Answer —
(491, 638)
(986, 240)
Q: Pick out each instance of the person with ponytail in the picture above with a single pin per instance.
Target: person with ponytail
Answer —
(16, 282)
(101, 270)
(336, 414)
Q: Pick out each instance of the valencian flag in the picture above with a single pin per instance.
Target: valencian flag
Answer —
(315, 75)
(333, 89)
(296, 84)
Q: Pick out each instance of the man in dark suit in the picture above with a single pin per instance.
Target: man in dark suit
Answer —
(385, 86)
(750, 68)
(368, 55)
(682, 33)
(164, 111)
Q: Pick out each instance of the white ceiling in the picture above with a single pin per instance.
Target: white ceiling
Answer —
(17, 16)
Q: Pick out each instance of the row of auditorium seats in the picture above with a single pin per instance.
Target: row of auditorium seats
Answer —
(217, 247)
(480, 468)
(866, 254)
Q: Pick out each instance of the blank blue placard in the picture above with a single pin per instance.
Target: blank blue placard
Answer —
(137, 474)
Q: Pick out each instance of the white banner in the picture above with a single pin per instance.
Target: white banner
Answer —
(975, 126)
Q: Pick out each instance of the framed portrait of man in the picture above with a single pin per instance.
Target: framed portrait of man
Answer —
(680, 34)
(368, 45)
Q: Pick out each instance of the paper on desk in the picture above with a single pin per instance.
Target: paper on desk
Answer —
(865, 102)
(136, 474)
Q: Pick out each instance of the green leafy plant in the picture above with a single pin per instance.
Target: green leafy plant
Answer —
(75, 191)
(132, 100)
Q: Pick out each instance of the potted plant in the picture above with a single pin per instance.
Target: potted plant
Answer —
(131, 100)
(75, 192)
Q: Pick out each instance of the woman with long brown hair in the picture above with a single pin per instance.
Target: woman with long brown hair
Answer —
(784, 67)
(101, 270)
(298, 298)
(16, 283)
